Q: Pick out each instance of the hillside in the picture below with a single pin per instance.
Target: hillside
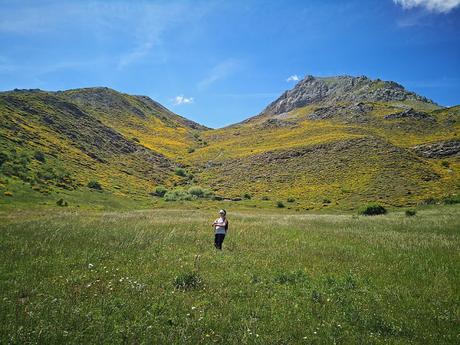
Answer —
(328, 142)
(338, 141)
(55, 141)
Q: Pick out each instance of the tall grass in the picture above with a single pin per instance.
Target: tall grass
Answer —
(154, 277)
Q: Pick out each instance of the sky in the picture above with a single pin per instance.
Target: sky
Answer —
(220, 62)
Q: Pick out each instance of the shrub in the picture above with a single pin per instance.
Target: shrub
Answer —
(159, 191)
(410, 213)
(8, 193)
(180, 172)
(3, 157)
(61, 202)
(247, 196)
(94, 185)
(188, 281)
(326, 201)
(372, 210)
(191, 150)
(196, 191)
(279, 204)
(265, 198)
(451, 200)
(177, 194)
(290, 199)
(445, 164)
(39, 156)
(430, 201)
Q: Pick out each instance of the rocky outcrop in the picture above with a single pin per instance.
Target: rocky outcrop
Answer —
(276, 123)
(410, 114)
(349, 113)
(330, 90)
(439, 150)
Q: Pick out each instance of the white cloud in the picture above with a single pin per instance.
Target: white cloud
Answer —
(182, 100)
(219, 71)
(141, 26)
(440, 6)
(294, 77)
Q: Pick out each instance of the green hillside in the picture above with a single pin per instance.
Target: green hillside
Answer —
(329, 142)
(59, 142)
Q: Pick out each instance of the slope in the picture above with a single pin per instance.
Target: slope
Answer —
(341, 141)
(54, 141)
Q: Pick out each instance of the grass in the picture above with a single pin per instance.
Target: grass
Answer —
(152, 276)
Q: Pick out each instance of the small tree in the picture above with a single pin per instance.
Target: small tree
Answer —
(159, 191)
(61, 202)
(372, 210)
(279, 204)
(94, 185)
(3, 157)
(39, 156)
(180, 172)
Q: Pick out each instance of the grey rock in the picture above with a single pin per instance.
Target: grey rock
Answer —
(410, 114)
(330, 90)
(438, 150)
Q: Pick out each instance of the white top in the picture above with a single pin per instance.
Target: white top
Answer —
(220, 228)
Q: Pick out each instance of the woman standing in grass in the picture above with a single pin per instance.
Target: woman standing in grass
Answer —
(221, 227)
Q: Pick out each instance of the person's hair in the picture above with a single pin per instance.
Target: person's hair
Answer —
(225, 212)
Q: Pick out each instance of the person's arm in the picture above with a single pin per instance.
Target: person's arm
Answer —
(220, 223)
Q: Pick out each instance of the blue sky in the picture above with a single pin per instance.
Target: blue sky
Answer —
(219, 62)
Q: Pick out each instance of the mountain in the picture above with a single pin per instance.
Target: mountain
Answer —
(329, 142)
(64, 140)
(339, 140)
(344, 89)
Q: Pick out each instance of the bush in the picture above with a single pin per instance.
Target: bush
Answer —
(61, 203)
(180, 172)
(372, 210)
(265, 198)
(290, 199)
(326, 201)
(247, 196)
(177, 194)
(430, 201)
(445, 164)
(410, 213)
(7, 193)
(279, 204)
(94, 185)
(159, 191)
(188, 281)
(451, 200)
(3, 157)
(196, 191)
(39, 156)
(191, 150)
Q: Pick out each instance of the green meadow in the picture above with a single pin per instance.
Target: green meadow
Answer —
(152, 276)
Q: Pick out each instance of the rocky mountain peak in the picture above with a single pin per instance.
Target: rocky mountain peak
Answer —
(329, 90)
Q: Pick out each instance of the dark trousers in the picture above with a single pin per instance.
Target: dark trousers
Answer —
(218, 239)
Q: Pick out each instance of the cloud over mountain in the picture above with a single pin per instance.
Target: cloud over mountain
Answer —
(441, 6)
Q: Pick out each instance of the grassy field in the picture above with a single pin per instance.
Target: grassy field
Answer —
(153, 276)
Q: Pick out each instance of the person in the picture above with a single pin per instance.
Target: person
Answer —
(221, 228)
